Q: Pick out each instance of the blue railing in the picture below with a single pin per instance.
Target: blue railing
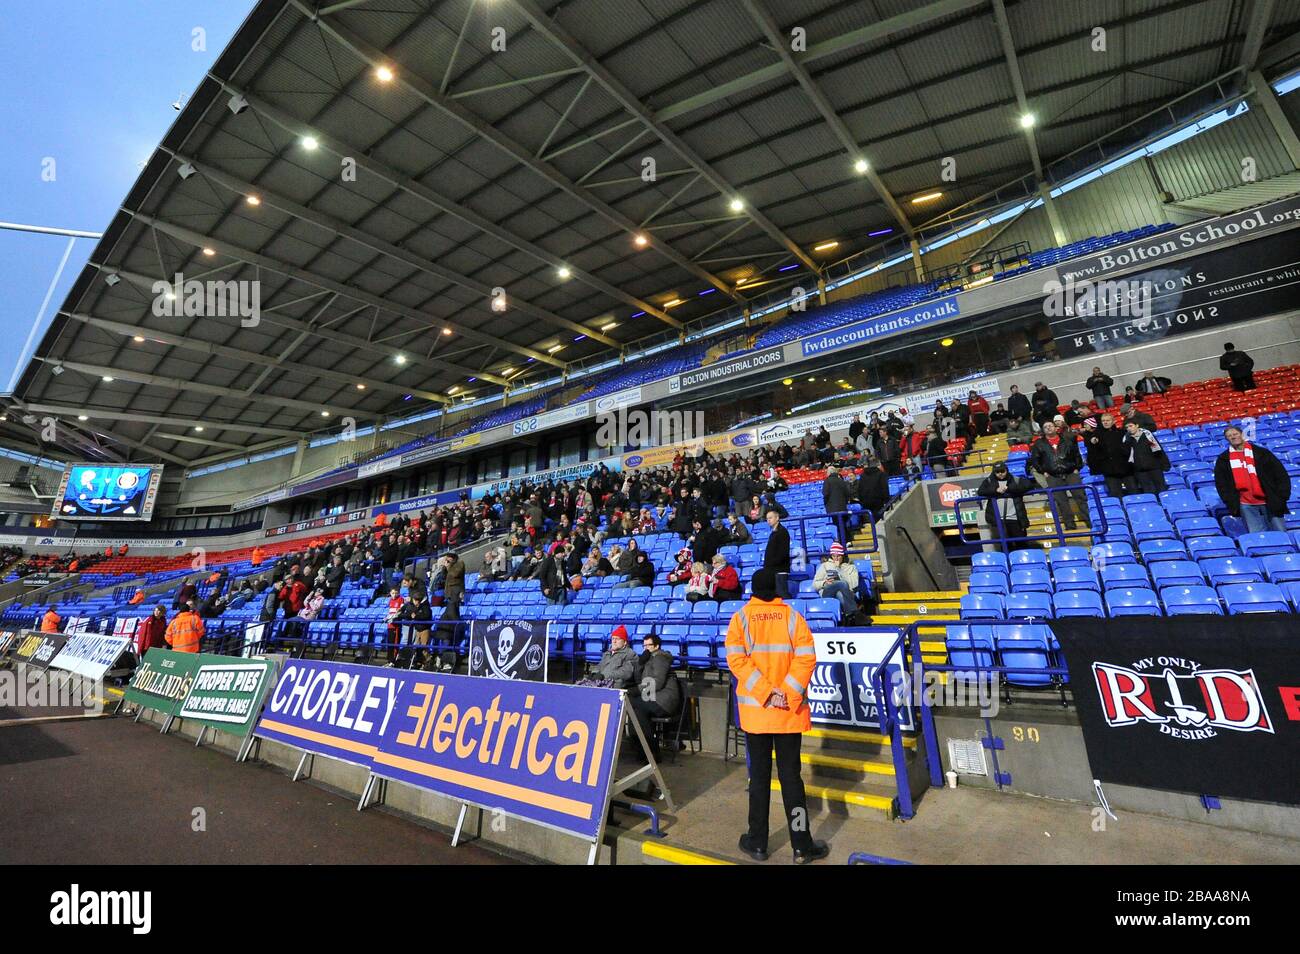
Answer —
(1060, 535)
(890, 721)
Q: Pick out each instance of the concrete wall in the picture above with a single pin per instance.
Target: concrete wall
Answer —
(906, 569)
(1045, 755)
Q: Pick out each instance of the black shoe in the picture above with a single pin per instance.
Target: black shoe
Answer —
(817, 852)
(758, 854)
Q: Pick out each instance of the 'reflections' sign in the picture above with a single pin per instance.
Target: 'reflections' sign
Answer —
(725, 370)
(1206, 705)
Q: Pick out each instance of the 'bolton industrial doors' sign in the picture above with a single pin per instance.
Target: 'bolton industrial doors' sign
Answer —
(508, 649)
(1198, 704)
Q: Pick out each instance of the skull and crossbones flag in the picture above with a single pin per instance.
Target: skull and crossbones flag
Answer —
(508, 649)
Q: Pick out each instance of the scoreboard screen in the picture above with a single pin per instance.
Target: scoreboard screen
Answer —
(107, 492)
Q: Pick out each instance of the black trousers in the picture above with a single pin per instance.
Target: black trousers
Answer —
(1120, 486)
(787, 745)
(645, 710)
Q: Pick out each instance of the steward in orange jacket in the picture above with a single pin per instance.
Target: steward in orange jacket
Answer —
(51, 621)
(257, 556)
(771, 654)
(185, 631)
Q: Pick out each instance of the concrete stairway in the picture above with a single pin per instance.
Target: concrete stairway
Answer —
(851, 772)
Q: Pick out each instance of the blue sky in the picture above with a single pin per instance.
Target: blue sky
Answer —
(88, 83)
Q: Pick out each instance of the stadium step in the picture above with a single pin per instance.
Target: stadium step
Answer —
(922, 596)
(844, 766)
(853, 802)
(855, 737)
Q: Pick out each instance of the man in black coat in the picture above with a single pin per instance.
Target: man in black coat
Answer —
(1240, 367)
(1252, 483)
(1056, 457)
(1045, 403)
(1018, 405)
(1005, 494)
(1099, 384)
(1108, 457)
(777, 555)
(873, 488)
(835, 492)
(1149, 384)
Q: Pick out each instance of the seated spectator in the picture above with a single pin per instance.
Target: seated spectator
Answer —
(999, 419)
(837, 578)
(681, 573)
(243, 596)
(737, 532)
(136, 598)
(700, 585)
(1150, 384)
(618, 665)
(641, 574)
(726, 581)
(1019, 431)
(660, 695)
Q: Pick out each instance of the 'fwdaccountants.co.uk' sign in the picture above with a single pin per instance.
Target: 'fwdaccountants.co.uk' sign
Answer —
(894, 323)
(541, 752)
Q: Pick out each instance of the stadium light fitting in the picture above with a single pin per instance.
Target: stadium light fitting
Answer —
(310, 143)
(186, 170)
(111, 279)
(56, 370)
(199, 428)
(209, 251)
(453, 389)
(446, 331)
(861, 166)
(506, 371)
(564, 272)
(787, 381)
(361, 387)
(1027, 120)
(107, 379)
(138, 340)
(554, 348)
(928, 197)
(641, 241)
(384, 74)
(673, 304)
(607, 327)
(252, 200)
(400, 358)
(237, 104)
(879, 232)
(82, 417)
(826, 246)
(737, 205)
(946, 342)
(324, 413)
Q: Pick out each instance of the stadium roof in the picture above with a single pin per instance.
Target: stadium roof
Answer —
(510, 141)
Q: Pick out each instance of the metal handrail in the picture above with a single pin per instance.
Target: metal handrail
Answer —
(1060, 535)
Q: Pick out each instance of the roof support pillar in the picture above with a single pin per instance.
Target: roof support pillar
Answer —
(1267, 102)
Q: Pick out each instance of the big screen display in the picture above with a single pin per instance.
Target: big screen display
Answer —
(107, 492)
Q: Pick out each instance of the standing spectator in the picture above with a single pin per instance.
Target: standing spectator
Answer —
(185, 594)
(395, 603)
(417, 612)
(1018, 405)
(835, 492)
(1240, 367)
(1148, 460)
(1252, 483)
(185, 631)
(1108, 457)
(1006, 493)
(770, 653)
(856, 431)
(979, 412)
(936, 453)
(777, 555)
(1056, 457)
(51, 621)
(873, 488)
(453, 585)
(1149, 384)
(1100, 384)
(1141, 418)
(1045, 403)
(152, 631)
(553, 580)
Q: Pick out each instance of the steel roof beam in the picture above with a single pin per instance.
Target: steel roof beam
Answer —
(837, 125)
(489, 133)
(1261, 12)
(58, 409)
(296, 127)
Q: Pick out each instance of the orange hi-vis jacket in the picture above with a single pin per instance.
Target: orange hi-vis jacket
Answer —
(184, 632)
(770, 648)
(50, 622)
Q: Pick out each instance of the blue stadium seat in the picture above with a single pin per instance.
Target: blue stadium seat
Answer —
(1026, 648)
(1232, 570)
(1029, 606)
(1190, 527)
(1076, 578)
(1123, 575)
(1078, 603)
(704, 609)
(987, 583)
(1068, 556)
(1208, 548)
(1242, 598)
(988, 561)
(1191, 601)
(1281, 567)
(1265, 544)
(824, 609)
(1292, 591)
(1153, 551)
(1031, 580)
(970, 647)
(1153, 530)
(1132, 601)
(1022, 559)
(1181, 503)
(982, 606)
(1176, 573)
(1112, 554)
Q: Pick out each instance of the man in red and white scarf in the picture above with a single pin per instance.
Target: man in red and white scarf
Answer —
(1252, 483)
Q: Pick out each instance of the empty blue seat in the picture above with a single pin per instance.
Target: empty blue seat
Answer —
(1076, 578)
(1068, 556)
(1153, 551)
(1028, 649)
(1182, 503)
(1265, 544)
(704, 609)
(1153, 530)
(982, 606)
(729, 608)
(1233, 570)
(988, 561)
(1191, 601)
(1021, 559)
(1112, 554)
(678, 609)
(1208, 548)
(1029, 606)
(1176, 573)
(1242, 598)
(1190, 527)
(1030, 580)
(970, 647)
(828, 609)
(1281, 567)
(987, 583)
(1123, 575)
(1077, 603)
(1132, 601)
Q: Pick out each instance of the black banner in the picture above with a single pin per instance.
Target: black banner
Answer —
(508, 649)
(1249, 280)
(1205, 705)
(38, 649)
(724, 370)
(8, 639)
